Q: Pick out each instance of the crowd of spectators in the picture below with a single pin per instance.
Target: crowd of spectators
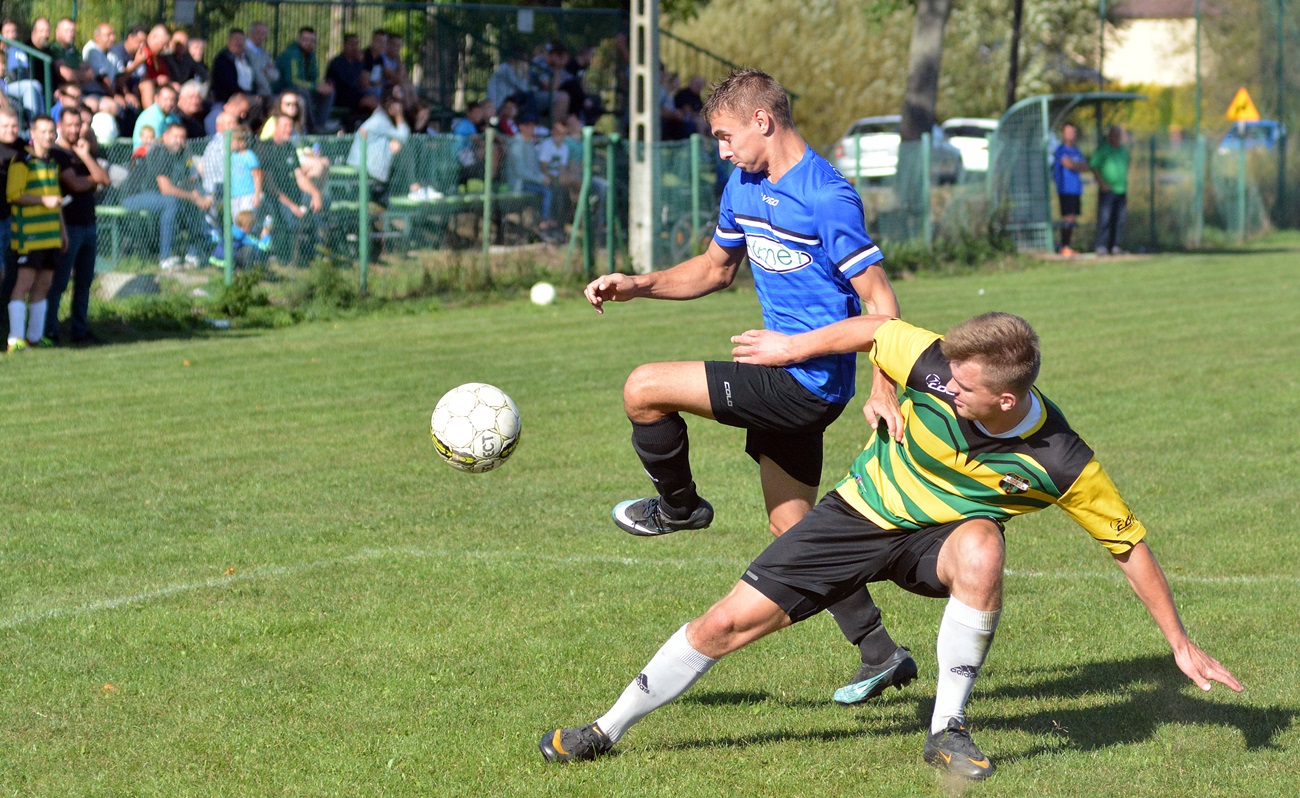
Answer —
(149, 93)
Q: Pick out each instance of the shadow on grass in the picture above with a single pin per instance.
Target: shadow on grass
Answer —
(1146, 693)
(1141, 694)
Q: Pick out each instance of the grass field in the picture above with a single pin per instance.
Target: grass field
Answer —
(232, 565)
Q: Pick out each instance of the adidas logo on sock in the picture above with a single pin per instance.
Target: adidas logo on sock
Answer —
(643, 683)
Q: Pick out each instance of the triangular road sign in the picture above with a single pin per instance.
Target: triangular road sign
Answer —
(1242, 108)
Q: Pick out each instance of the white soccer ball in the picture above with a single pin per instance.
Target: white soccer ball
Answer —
(475, 427)
(542, 294)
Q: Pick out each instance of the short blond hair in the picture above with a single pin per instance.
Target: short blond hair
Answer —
(1005, 347)
(745, 91)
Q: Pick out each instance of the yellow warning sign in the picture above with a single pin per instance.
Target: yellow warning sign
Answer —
(1242, 108)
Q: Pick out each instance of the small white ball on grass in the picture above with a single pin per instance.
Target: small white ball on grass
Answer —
(542, 294)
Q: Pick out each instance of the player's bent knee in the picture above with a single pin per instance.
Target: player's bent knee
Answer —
(976, 556)
(640, 389)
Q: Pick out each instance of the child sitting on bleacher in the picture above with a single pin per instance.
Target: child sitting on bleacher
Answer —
(250, 248)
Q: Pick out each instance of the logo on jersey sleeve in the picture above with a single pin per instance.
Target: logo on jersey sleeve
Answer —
(771, 255)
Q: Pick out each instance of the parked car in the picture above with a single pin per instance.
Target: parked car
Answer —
(1264, 134)
(869, 150)
(971, 138)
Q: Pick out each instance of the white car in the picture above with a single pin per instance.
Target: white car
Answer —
(869, 150)
(971, 137)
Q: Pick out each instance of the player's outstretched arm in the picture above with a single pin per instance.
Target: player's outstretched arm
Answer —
(770, 348)
(700, 275)
(878, 299)
(1149, 583)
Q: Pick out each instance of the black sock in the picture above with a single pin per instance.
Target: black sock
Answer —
(1067, 233)
(664, 450)
(860, 621)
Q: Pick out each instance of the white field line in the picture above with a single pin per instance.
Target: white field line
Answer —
(256, 574)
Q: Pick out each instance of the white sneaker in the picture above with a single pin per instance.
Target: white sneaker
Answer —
(192, 260)
(1116, 251)
(171, 264)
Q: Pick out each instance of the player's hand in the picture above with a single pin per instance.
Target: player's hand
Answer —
(609, 288)
(882, 405)
(763, 348)
(1202, 669)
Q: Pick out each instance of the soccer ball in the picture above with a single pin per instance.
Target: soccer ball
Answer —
(542, 294)
(475, 427)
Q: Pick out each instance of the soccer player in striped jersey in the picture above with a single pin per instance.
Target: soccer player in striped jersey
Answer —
(32, 189)
(802, 227)
(980, 445)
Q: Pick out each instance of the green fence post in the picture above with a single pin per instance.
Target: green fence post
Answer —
(363, 213)
(1198, 192)
(927, 228)
(584, 202)
(489, 145)
(1241, 188)
(611, 191)
(1151, 173)
(695, 189)
(227, 216)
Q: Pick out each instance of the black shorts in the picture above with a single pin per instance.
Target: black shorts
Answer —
(782, 419)
(42, 260)
(834, 551)
(1070, 204)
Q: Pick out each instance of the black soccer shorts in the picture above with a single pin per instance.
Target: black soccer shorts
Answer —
(782, 419)
(834, 551)
(42, 260)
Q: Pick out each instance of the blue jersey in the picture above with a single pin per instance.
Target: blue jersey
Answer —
(1068, 181)
(806, 238)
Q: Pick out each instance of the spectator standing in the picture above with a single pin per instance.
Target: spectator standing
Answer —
(245, 173)
(1068, 164)
(166, 183)
(157, 116)
(80, 176)
(300, 72)
(1110, 166)
(32, 189)
(290, 193)
(9, 147)
(347, 73)
(387, 133)
(265, 72)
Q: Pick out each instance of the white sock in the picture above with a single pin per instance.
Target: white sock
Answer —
(965, 635)
(670, 673)
(36, 320)
(17, 319)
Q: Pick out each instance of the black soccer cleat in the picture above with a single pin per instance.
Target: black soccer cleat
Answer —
(566, 745)
(870, 681)
(953, 750)
(647, 517)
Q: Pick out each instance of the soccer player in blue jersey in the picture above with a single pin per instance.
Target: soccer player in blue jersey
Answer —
(802, 226)
(1067, 164)
(981, 445)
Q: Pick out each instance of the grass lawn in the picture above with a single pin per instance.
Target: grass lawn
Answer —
(233, 565)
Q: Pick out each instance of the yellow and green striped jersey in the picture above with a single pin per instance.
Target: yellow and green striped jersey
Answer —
(947, 468)
(34, 227)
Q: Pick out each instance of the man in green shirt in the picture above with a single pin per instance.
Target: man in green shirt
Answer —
(1110, 166)
(300, 72)
(166, 183)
